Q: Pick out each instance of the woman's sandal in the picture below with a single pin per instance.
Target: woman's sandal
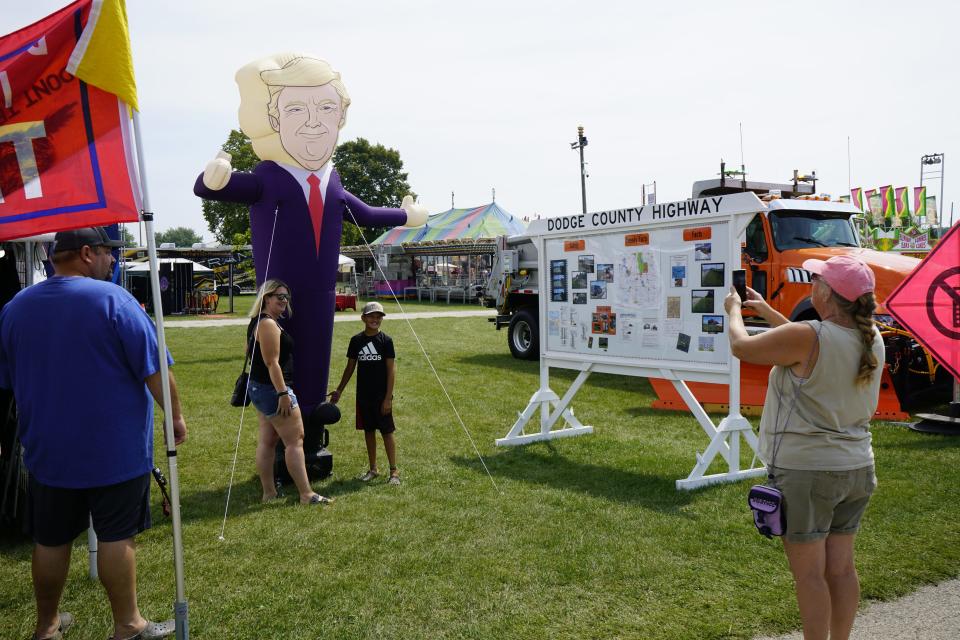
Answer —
(319, 499)
(66, 621)
(154, 631)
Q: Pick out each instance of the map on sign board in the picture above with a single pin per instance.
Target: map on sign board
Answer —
(927, 302)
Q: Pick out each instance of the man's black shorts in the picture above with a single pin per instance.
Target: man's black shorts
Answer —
(55, 515)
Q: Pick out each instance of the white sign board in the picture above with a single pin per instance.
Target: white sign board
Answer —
(656, 295)
(640, 291)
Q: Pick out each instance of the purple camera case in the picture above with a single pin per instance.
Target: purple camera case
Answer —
(768, 510)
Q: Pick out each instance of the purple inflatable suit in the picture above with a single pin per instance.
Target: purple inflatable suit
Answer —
(297, 204)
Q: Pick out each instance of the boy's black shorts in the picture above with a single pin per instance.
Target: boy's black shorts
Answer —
(57, 515)
(370, 419)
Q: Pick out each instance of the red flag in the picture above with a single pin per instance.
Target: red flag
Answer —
(66, 157)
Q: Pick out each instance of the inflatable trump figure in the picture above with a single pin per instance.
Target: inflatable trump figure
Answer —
(292, 106)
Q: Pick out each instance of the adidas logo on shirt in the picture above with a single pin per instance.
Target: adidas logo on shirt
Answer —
(369, 354)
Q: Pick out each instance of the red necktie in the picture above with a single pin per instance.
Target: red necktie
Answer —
(315, 204)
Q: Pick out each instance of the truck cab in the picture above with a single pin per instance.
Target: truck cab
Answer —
(796, 226)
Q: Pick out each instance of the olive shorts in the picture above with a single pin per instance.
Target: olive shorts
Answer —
(819, 503)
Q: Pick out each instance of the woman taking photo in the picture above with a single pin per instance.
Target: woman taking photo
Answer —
(815, 431)
(271, 375)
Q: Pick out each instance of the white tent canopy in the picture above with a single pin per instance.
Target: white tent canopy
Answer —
(145, 266)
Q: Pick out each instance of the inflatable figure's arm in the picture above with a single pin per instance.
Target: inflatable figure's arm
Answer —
(219, 182)
(367, 216)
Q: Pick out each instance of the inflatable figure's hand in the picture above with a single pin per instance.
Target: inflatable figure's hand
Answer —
(416, 214)
(216, 174)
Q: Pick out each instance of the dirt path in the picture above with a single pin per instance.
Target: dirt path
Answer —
(931, 613)
(342, 317)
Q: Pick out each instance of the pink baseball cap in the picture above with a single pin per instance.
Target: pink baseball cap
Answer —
(850, 277)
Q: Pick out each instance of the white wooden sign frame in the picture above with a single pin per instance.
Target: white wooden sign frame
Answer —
(557, 419)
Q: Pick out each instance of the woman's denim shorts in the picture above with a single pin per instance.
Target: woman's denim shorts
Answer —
(264, 397)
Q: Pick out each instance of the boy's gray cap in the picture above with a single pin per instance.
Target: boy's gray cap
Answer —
(372, 307)
(89, 236)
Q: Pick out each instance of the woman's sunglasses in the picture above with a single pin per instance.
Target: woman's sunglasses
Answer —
(282, 297)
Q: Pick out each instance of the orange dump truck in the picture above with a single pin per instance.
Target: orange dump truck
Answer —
(793, 225)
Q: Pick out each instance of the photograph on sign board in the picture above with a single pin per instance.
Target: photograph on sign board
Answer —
(605, 272)
(579, 280)
(598, 290)
(580, 298)
(683, 343)
(585, 263)
(701, 301)
(673, 307)
(604, 321)
(705, 343)
(678, 270)
(711, 274)
(558, 294)
(603, 343)
(703, 251)
(679, 275)
(558, 267)
(713, 324)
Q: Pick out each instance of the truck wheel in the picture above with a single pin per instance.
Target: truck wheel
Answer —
(523, 335)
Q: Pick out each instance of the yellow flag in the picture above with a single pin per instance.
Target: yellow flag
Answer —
(102, 57)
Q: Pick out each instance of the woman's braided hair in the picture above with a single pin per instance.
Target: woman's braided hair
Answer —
(861, 310)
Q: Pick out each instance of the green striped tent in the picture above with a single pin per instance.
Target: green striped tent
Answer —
(487, 221)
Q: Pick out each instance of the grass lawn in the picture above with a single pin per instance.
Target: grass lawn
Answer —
(582, 538)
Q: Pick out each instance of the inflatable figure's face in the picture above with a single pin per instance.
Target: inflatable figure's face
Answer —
(308, 122)
(292, 106)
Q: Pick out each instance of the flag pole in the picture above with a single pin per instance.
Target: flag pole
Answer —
(180, 608)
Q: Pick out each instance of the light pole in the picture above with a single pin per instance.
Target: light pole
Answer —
(580, 144)
(926, 163)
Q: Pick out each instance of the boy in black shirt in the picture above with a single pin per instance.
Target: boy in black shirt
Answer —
(373, 350)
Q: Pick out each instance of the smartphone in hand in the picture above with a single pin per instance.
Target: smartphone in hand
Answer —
(740, 283)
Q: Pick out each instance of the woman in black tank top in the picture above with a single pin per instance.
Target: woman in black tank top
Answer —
(271, 376)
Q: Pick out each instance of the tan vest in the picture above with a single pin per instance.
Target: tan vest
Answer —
(828, 428)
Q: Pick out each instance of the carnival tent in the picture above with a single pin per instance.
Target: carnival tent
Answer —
(144, 267)
(487, 221)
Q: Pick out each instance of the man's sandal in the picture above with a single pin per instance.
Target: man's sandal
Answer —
(66, 621)
(319, 499)
(368, 476)
(153, 631)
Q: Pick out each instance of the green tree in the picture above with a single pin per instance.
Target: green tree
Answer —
(226, 219)
(371, 172)
(180, 236)
(127, 236)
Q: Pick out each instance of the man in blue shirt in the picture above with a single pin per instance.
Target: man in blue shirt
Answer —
(87, 439)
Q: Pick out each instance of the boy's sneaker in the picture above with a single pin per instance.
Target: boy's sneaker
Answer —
(368, 476)
(394, 480)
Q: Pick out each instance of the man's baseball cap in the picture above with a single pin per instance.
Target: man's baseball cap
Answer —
(373, 307)
(848, 276)
(89, 236)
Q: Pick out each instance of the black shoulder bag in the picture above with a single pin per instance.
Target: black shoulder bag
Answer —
(240, 398)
